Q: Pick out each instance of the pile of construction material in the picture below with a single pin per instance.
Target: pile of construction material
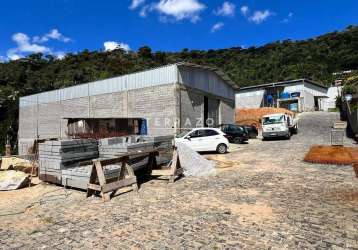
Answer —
(11, 180)
(78, 176)
(252, 116)
(55, 156)
(114, 147)
(67, 162)
(193, 163)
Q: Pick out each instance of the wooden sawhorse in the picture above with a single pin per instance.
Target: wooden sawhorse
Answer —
(172, 171)
(107, 187)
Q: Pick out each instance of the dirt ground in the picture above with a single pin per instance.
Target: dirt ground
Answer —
(263, 196)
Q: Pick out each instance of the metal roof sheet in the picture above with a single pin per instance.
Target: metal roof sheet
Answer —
(283, 83)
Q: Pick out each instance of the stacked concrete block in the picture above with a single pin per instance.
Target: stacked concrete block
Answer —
(164, 144)
(59, 160)
(115, 150)
(78, 176)
(54, 156)
(120, 140)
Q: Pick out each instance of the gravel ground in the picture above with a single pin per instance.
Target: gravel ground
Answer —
(263, 196)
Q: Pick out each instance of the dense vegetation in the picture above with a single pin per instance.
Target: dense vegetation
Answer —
(315, 58)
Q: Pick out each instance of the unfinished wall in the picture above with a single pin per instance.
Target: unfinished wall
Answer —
(154, 95)
(28, 122)
(227, 112)
(206, 81)
(213, 112)
(109, 105)
(191, 109)
(308, 101)
(249, 99)
(49, 120)
(76, 107)
(157, 104)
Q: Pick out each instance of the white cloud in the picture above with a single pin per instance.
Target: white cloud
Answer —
(144, 10)
(260, 16)
(53, 34)
(244, 10)
(112, 45)
(288, 18)
(136, 3)
(179, 9)
(24, 46)
(216, 27)
(227, 9)
(60, 55)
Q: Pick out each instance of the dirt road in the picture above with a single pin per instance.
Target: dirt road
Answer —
(263, 196)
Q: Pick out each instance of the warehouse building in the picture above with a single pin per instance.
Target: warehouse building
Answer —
(155, 102)
(297, 95)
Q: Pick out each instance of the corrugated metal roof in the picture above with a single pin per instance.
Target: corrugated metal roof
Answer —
(219, 72)
(283, 83)
(152, 77)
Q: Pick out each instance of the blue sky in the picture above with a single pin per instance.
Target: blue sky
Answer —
(60, 26)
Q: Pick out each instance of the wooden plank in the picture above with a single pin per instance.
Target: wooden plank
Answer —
(179, 171)
(94, 187)
(119, 184)
(159, 172)
(106, 162)
(100, 174)
(92, 180)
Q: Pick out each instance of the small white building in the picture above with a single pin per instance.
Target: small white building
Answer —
(297, 95)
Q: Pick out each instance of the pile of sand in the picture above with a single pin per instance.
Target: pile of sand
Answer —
(332, 155)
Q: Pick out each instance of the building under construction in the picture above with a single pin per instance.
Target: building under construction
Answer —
(155, 102)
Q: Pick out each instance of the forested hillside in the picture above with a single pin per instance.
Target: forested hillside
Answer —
(315, 58)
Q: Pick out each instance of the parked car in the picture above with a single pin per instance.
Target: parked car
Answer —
(235, 133)
(251, 130)
(204, 139)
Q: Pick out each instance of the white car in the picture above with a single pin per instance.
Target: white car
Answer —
(204, 139)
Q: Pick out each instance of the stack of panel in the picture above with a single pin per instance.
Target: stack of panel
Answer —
(120, 140)
(79, 176)
(115, 150)
(54, 156)
(164, 144)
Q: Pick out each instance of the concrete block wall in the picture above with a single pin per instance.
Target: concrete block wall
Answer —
(249, 99)
(74, 108)
(28, 122)
(308, 101)
(157, 104)
(227, 111)
(213, 111)
(191, 109)
(25, 145)
(49, 120)
(109, 105)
